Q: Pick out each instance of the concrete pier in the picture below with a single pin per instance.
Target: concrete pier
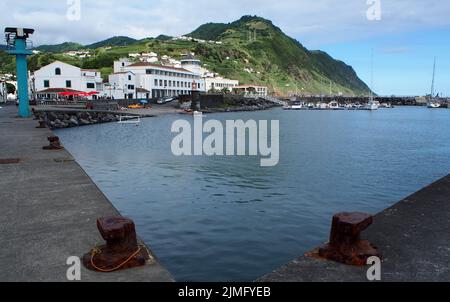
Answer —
(413, 237)
(49, 208)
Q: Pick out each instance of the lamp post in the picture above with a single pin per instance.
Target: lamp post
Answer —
(16, 39)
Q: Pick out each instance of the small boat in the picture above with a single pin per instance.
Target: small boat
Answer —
(334, 105)
(323, 106)
(372, 105)
(127, 119)
(433, 104)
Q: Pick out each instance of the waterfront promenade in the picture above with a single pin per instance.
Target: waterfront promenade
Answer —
(412, 236)
(49, 209)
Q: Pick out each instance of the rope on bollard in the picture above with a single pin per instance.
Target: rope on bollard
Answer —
(97, 250)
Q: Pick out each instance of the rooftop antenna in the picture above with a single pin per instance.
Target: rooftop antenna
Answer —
(16, 40)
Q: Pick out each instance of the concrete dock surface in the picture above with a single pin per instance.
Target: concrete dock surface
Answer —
(49, 208)
(413, 237)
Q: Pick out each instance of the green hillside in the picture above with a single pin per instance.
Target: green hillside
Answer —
(282, 62)
(66, 46)
(253, 50)
(114, 41)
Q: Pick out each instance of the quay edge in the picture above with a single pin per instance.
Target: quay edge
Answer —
(49, 210)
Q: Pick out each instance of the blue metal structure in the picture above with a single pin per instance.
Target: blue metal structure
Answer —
(16, 39)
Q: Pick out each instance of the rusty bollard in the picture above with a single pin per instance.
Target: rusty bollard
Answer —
(42, 124)
(345, 244)
(121, 250)
(54, 143)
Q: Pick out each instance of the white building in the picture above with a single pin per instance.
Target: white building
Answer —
(59, 77)
(189, 62)
(157, 80)
(251, 90)
(219, 84)
(122, 85)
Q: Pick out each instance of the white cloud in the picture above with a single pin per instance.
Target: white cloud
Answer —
(313, 23)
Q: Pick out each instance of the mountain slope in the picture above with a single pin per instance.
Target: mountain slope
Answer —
(209, 31)
(114, 41)
(63, 47)
(285, 64)
(69, 46)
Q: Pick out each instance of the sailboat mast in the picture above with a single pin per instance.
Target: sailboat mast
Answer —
(432, 82)
(371, 76)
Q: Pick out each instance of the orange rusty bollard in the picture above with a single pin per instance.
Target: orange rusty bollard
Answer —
(121, 250)
(42, 124)
(54, 143)
(345, 244)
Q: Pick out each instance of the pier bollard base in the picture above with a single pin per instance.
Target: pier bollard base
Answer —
(104, 259)
(54, 144)
(345, 245)
(42, 125)
(121, 250)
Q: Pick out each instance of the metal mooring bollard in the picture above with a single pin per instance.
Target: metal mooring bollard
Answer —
(121, 250)
(42, 124)
(54, 143)
(345, 244)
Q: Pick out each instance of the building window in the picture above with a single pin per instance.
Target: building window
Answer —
(58, 71)
(129, 78)
(68, 84)
(148, 71)
(170, 83)
(160, 82)
(46, 83)
(130, 87)
(90, 85)
(156, 82)
(165, 83)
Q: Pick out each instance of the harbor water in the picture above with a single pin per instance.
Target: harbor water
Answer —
(229, 219)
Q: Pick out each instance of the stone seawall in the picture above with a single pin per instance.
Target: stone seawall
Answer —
(58, 119)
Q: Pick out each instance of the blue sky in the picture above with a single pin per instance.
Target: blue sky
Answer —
(405, 39)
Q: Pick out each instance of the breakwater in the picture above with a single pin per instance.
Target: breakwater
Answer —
(57, 118)
(232, 103)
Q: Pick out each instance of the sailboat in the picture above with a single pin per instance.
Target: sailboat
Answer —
(372, 104)
(432, 102)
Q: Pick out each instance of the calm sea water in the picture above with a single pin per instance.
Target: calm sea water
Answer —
(219, 219)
